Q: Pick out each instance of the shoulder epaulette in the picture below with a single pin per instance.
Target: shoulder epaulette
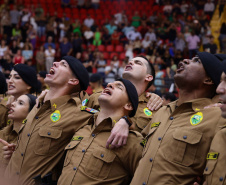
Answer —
(90, 110)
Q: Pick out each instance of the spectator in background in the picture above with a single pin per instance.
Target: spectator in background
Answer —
(115, 61)
(168, 97)
(14, 16)
(145, 44)
(5, 24)
(180, 42)
(167, 9)
(76, 44)
(95, 4)
(27, 52)
(106, 37)
(159, 77)
(41, 76)
(49, 57)
(115, 38)
(100, 64)
(133, 35)
(18, 58)
(25, 16)
(77, 27)
(3, 49)
(7, 65)
(51, 28)
(16, 32)
(49, 42)
(110, 73)
(209, 8)
(222, 37)
(88, 36)
(172, 32)
(24, 29)
(184, 7)
(89, 21)
(65, 4)
(136, 20)
(127, 29)
(137, 46)
(97, 37)
(193, 43)
(13, 49)
(40, 59)
(111, 27)
(87, 63)
(151, 34)
(32, 34)
(96, 82)
(80, 3)
(39, 12)
(65, 47)
(211, 47)
(122, 67)
(41, 22)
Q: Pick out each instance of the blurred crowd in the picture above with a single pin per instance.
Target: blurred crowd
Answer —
(172, 31)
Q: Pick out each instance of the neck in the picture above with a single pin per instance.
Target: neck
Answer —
(56, 92)
(139, 87)
(187, 95)
(105, 112)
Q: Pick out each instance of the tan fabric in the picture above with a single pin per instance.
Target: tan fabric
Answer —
(140, 120)
(176, 150)
(88, 162)
(3, 116)
(8, 134)
(215, 171)
(42, 140)
(98, 89)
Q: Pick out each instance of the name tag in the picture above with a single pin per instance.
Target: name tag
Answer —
(212, 155)
(77, 138)
(155, 124)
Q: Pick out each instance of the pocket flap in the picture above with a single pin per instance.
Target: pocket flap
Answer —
(210, 166)
(187, 136)
(72, 145)
(53, 133)
(104, 154)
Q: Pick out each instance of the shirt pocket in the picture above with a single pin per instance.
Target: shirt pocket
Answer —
(70, 148)
(100, 163)
(47, 142)
(186, 143)
(142, 122)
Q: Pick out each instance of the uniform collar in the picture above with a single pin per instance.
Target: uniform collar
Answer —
(143, 98)
(10, 128)
(97, 90)
(195, 104)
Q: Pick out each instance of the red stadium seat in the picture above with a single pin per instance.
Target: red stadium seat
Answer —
(105, 55)
(110, 48)
(113, 54)
(122, 56)
(101, 48)
(119, 48)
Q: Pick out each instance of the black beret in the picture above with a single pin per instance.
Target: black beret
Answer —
(3, 84)
(32, 101)
(224, 66)
(28, 75)
(79, 70)
(212, 66)
(95, 77)
(42, 74)
(221, 57)
(132, 94)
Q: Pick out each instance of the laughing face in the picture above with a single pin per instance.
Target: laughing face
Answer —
(221, 90)
(16, 85)
(114, 94)
(19, 109)
(59, 74)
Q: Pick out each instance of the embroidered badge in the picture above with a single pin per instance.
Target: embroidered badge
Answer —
(155, 124)
(24, 121)
(8, 122)
(147, 112)
(143, 143)
(54, 105)
(87, 109)
(77, 138)
(196, 118)
(84, 102)
(55, 116)
(212, 155)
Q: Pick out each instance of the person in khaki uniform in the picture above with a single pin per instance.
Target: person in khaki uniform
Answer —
(142, 74)
(51, 126)
(3, 109)
(215, 171)
(17, 114)
(88, 161)
(179, 136)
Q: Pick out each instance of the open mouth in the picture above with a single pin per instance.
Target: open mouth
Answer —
(10, 111)
(128, 68)
(10, 87)
(107, 91)
(180, 67)
(51, 71)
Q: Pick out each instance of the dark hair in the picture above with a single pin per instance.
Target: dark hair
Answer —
(32, 101)
(150, 70)
(170, 96)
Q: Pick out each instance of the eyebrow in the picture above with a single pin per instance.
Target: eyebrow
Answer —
(120, 84)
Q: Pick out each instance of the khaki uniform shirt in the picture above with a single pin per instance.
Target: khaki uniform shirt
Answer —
(89, 162)
(140, 120)
(215, 170)
(42, 140)
(3, 116)
(178, 141)
(8, 134)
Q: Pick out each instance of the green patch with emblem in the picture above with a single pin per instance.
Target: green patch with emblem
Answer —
(196, 118)
(212, 155)
(147, 112)
(77, 138)
(55, 116)
(143, 143)
(155, 124)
